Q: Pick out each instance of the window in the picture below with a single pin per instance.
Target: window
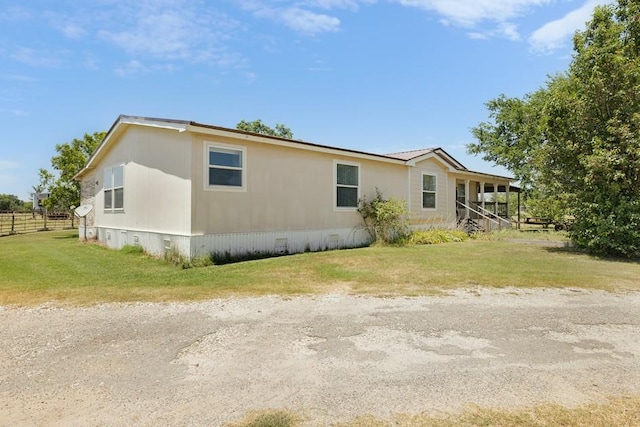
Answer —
(114, 188)
(347, 185)
(428, 191)
(225, 167)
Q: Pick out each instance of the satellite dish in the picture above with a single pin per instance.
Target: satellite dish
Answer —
(83, 210)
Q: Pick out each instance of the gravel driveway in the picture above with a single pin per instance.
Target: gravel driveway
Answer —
(329, 357)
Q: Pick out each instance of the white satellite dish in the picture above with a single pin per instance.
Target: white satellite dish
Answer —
(83, 210)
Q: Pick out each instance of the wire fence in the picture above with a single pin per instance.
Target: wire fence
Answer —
(18, 222)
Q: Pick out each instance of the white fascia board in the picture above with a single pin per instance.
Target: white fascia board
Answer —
(481, 175)
(302, 145)
(432, 155)
(162, 124)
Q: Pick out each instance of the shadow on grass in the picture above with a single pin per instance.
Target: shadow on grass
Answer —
(69, 236)
(570, 249)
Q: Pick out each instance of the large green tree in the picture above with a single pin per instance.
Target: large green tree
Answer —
(576, 142)
(257, 126)
(10, 202)
(63, 191)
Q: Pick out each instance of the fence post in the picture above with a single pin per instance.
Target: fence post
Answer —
(13, 222)
(44, 216)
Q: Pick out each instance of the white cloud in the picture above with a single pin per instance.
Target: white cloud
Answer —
(296, 18)
(510, 31)
(504, 29)
(72, 31)
(176, 30)
(468, 13)
(135, 67)
(555, 34)
(131, 68)
(39, 57)
(479, 36)
(305, 21)
(337, 4)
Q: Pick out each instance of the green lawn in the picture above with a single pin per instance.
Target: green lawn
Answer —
(56, 266)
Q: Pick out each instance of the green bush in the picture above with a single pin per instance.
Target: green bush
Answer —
(385, 220)
(608, 228)
(435, 236)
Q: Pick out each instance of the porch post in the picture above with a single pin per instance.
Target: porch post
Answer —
(495, 199)
(518, 210)
(482, 193)
(466, 197)
(507, 192)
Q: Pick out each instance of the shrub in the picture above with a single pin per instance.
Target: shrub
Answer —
(173, 256)
(434, 236)
(385, 220)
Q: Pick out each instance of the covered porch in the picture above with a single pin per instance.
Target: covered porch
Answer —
(484, 205)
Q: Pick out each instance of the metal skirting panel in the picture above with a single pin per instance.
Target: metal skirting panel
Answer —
(278, 242)
(153, 243)
(235, 244)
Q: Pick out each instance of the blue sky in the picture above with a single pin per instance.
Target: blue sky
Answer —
(372, 75)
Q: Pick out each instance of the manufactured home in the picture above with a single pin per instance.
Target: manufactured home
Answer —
(173, 185)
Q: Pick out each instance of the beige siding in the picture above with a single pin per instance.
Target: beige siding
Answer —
(286, 189)
(157, 187)
(444, 213)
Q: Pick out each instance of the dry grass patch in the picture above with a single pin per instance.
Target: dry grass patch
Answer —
(269, 418)
(620, 412)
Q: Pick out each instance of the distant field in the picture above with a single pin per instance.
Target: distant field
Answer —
(30, 222)
(56, 266)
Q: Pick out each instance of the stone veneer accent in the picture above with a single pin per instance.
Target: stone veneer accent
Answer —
(88, 197)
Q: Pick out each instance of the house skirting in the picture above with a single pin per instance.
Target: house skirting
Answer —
(278, 242)
(232, 244)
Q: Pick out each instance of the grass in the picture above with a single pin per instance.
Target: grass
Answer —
(620, 411)
(56, 266)
(269, 418)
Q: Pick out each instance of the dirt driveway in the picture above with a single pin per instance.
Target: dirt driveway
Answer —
(328, 357)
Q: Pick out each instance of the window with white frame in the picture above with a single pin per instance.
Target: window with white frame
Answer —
(226, 167)
(347, 185)
(114, 189)
(429, 186)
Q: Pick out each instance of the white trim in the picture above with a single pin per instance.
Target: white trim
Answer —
(335, 185)
(162, 124)
(112, 188)
(208, 145)
(409, 170)
(438, 157)
(422, 191)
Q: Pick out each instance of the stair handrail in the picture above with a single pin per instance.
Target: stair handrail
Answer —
(479, 213)
(495, 215)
